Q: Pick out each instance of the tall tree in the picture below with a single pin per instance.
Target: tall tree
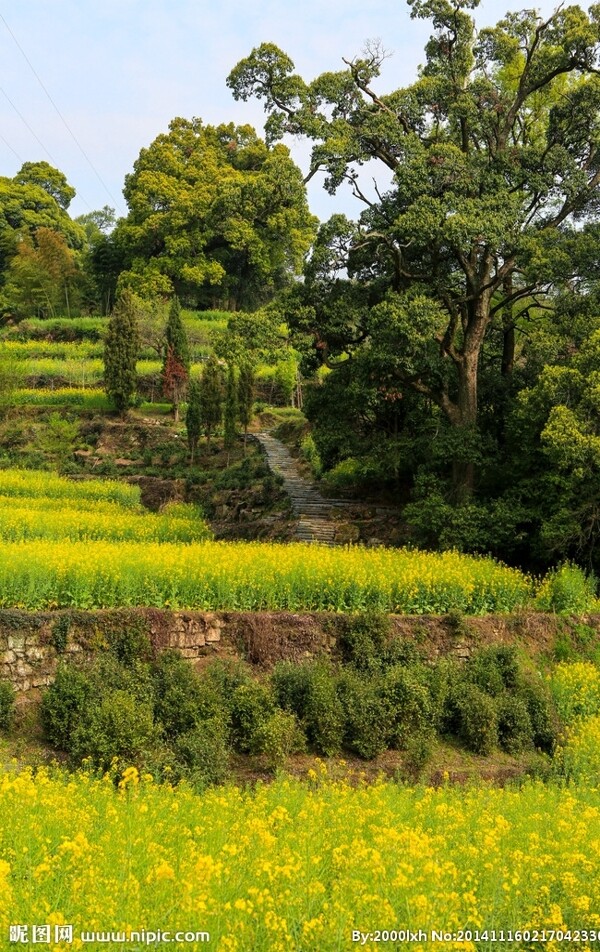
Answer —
(231, 410)
(245, 397)
(214, 215)
(494, 153)
(121, 349)
(193, 418)
(211, 397)
(176, 360)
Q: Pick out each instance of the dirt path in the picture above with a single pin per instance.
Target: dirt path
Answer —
(314, 513)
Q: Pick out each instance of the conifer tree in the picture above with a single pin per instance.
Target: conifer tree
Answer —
(231, 410)
(193, 418)
(211, 397)
(121, 348)
(245, 398)
(176, 362)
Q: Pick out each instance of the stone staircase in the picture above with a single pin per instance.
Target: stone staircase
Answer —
(314, 513)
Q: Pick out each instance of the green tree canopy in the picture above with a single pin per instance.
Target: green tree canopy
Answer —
(121, 350)
(215, 215)
(495, 158)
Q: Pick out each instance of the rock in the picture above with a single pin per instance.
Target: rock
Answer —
(346, 532)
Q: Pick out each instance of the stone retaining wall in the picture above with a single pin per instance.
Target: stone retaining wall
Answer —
(32, 644)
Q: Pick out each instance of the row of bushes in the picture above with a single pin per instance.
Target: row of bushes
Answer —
(165, 717)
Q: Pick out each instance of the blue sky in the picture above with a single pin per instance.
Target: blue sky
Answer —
(120, 70)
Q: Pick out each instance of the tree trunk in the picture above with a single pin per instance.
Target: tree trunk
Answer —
(508, 331)
(465, 422)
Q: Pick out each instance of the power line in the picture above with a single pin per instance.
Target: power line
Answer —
(62, 118)
(24, 121)
(14, 152)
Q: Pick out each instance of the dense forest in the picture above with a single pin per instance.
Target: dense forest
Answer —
(448, 337)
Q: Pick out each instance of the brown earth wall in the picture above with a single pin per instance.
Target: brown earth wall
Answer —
(32, 644)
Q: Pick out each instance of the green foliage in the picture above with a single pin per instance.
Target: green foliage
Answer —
(252, 706)
(7, 705)
(277, 737)
(310, 453)
(214, 215)
(182, 699)
(447, 269)
(57, 440)
(514, 724)
(367, 716)
(567, 589)
(231, 408)
(60, 633)
(175, 336)
(323, 714)
(477, 719)
(363, 639)
(211, 397)
(204, 751)
(409, 700)
(63, 704)
(495, 669)
(121, 348)
(193, 417)
(245, 396)
(118, 725)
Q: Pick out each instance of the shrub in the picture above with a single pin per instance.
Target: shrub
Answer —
(115, 725)
(362, 639)
(205, 752)
(410, 705)
(494, 669)
(514, 724)
(367, 715)
(129, 645)
(63, 704)
(252, 705)
(324, 713)
(278, 737)
(478, 721)
(183, 699)
(542, 714)
(7, 705)
(291, 686)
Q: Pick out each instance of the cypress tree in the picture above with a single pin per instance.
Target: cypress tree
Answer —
(121, 348)
(193, 418)
(231, 410)
(176, 361)
(211, 397)
(245, 398)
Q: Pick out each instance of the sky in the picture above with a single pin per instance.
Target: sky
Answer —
(85, 85)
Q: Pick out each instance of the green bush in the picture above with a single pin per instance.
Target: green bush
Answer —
(291, 686)
(64, 703)
(129, 645)
(363, 638)
(205, 752)
(478, 721)
(324, 713)
(494, 669)
(183, 699)
(7, 705)
(115, 725)
(278, 737)
(366, 713)
(542, 714)
(252, 705)
(412, 712)
(514, 724)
